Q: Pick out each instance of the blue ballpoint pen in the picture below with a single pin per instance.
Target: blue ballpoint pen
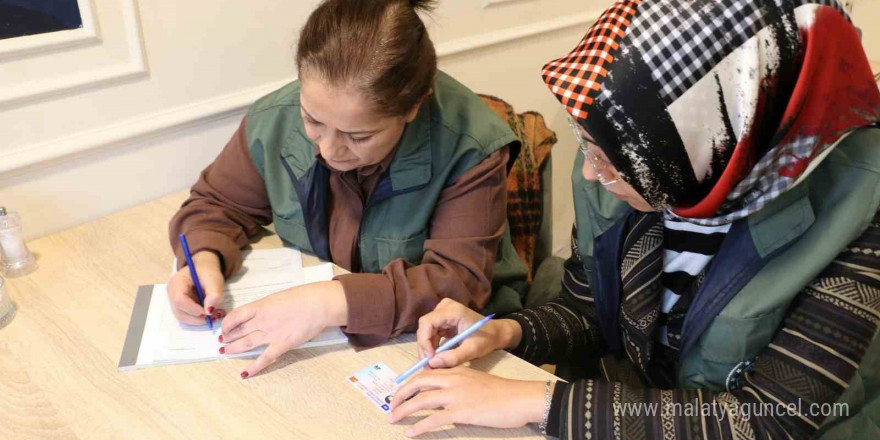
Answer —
(195, 277)
(446, 346)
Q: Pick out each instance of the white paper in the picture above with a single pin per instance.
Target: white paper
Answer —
(264, 272)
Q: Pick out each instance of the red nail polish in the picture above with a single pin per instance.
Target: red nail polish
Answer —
(210, 310)
(244, 374)
(220, 338)
(222, 350)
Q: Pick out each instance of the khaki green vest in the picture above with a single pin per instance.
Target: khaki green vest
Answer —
(823, 214)
(453, 132)
(811, 224)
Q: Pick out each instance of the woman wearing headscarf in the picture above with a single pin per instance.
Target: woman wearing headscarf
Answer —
(725, 272)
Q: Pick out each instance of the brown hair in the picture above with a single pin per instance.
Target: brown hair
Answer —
(380, 47)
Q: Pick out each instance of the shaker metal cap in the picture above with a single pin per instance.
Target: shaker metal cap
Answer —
(2, 211)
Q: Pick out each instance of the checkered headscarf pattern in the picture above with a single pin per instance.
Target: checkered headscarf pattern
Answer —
(642, 56)
(681, 41)
(764, 182)
(576, 78)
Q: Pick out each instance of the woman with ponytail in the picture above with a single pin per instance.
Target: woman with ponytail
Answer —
(374, 160)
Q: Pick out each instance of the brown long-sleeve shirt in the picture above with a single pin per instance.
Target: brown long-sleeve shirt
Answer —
(229, 204)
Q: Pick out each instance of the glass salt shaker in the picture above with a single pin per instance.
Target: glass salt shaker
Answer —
(17, 259)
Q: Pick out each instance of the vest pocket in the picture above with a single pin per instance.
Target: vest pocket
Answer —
(283, 195)
(410, 249)
(292, 231)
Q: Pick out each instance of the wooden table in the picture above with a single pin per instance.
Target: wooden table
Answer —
(58, 357)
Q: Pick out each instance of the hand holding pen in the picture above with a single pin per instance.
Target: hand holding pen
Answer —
(451, 343)
(464, 395)
(451, 319)
(195, 277)
(182, 293)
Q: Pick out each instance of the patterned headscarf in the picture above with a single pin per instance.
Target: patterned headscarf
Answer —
(712, 108)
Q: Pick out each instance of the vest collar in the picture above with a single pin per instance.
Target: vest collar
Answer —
(772, 230)
(299, 160)
(749, 245)
(411, 166)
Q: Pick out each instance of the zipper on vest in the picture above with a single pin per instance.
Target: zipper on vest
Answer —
(373, 200)
(367, 205)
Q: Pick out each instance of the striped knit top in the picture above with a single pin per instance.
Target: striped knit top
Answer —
(687, 251)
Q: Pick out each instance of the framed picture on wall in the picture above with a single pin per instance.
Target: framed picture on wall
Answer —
(20, 18)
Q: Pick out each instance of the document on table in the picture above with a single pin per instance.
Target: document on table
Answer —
(155, 337)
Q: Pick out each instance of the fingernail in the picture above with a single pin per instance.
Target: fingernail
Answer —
(210, 310)
(222, 350)
(220, 338)
(244, 374)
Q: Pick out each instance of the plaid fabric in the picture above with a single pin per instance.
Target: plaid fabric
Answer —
(576, 78)
(679, 42)
(525, 197)
(774, 174)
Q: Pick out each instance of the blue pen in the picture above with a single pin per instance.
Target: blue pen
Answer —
(446, 346)
(195, 277)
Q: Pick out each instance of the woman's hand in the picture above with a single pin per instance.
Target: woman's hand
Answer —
(182, 292)
(283, 321)
(468, 396)
(447, 320)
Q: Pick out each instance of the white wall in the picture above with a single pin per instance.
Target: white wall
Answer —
(866, 15)
(135, 104)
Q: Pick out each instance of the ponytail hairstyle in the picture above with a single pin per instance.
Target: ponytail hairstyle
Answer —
(379, 47)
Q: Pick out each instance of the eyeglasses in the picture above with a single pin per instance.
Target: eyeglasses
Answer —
(604, 171)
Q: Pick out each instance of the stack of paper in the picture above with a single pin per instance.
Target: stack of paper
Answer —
(155, 337)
